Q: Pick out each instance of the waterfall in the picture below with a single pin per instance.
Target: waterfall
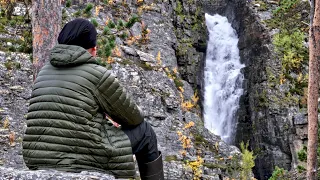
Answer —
(223, 79)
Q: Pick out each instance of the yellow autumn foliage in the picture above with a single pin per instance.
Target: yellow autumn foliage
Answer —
(3, 2)
(117, 52)
(145, 7)
(282, 79)
(110, 2)
(6, 123)
(98, 8)
(110, 60)
(196, 168)
(300, 77)
(187, 105)
(181, 89)
(107, 21)
(159, 58)
(181, 96)
(195, 98)
(186, 141)
(175, 70)
(183, 152)
(189, 125)
(196, 165)
(133, 39)
(145, 36)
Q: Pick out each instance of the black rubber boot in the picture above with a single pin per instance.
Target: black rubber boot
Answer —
(152, 170)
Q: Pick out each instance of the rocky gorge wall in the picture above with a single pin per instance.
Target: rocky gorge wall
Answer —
(267, 118)
(164, 72)
(148, 69)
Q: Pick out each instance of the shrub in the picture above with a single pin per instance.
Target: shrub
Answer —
(94, 22)
(301, 169)
(120, 23)
(99, 52)
(302, 155)
(77, 14)
(12, 49)
(111, 25)
(290, 46)
(102, 63)
(107, 50)
(285, 5)
(247, 161)
(178, 8)
(104, 41)
(146, 66)
(112, 44)
(106, 30)
(289, 42)
(278, 173)
(68, 3)
(178, 83)
(13, 23)
(88, 8)
(64, 14)
(124, 35)
(132, 20)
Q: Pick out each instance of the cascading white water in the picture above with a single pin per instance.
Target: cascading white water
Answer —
(223, 79)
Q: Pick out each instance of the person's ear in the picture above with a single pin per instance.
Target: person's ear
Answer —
(93, 51)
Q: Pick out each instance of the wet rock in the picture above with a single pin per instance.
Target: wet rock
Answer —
(19, 10)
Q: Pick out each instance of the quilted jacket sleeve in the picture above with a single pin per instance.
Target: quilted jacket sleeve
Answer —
(115, 101)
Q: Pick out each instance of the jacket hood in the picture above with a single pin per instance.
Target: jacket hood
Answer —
(69, 55)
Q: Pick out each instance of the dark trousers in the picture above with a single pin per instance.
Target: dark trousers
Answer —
(143, 141)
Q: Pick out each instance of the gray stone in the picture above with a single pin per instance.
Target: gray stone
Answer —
(145, 57)
(10, 173)
(136, 29)
(129, 50)
(300, 119)
(154, 92)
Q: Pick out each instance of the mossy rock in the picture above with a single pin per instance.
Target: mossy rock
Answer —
(214, 166)
(262, 5)
(146, 66)
(12, 65)
(171, 158)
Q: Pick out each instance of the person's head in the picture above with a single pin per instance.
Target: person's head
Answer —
(80, 32)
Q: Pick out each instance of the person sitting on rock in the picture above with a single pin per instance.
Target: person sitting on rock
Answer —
(66, 125)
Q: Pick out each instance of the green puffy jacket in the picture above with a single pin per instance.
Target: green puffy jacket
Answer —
(66, 128)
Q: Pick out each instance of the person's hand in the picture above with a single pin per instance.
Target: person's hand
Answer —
(112, 121)
(115, 124)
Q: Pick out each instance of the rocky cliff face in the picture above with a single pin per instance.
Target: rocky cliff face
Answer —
(148, 69)
(270, 121)
(162, 73)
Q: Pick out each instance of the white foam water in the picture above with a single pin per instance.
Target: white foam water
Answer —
(223, 78)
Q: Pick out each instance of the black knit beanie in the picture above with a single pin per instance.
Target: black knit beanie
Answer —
(80, 32)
